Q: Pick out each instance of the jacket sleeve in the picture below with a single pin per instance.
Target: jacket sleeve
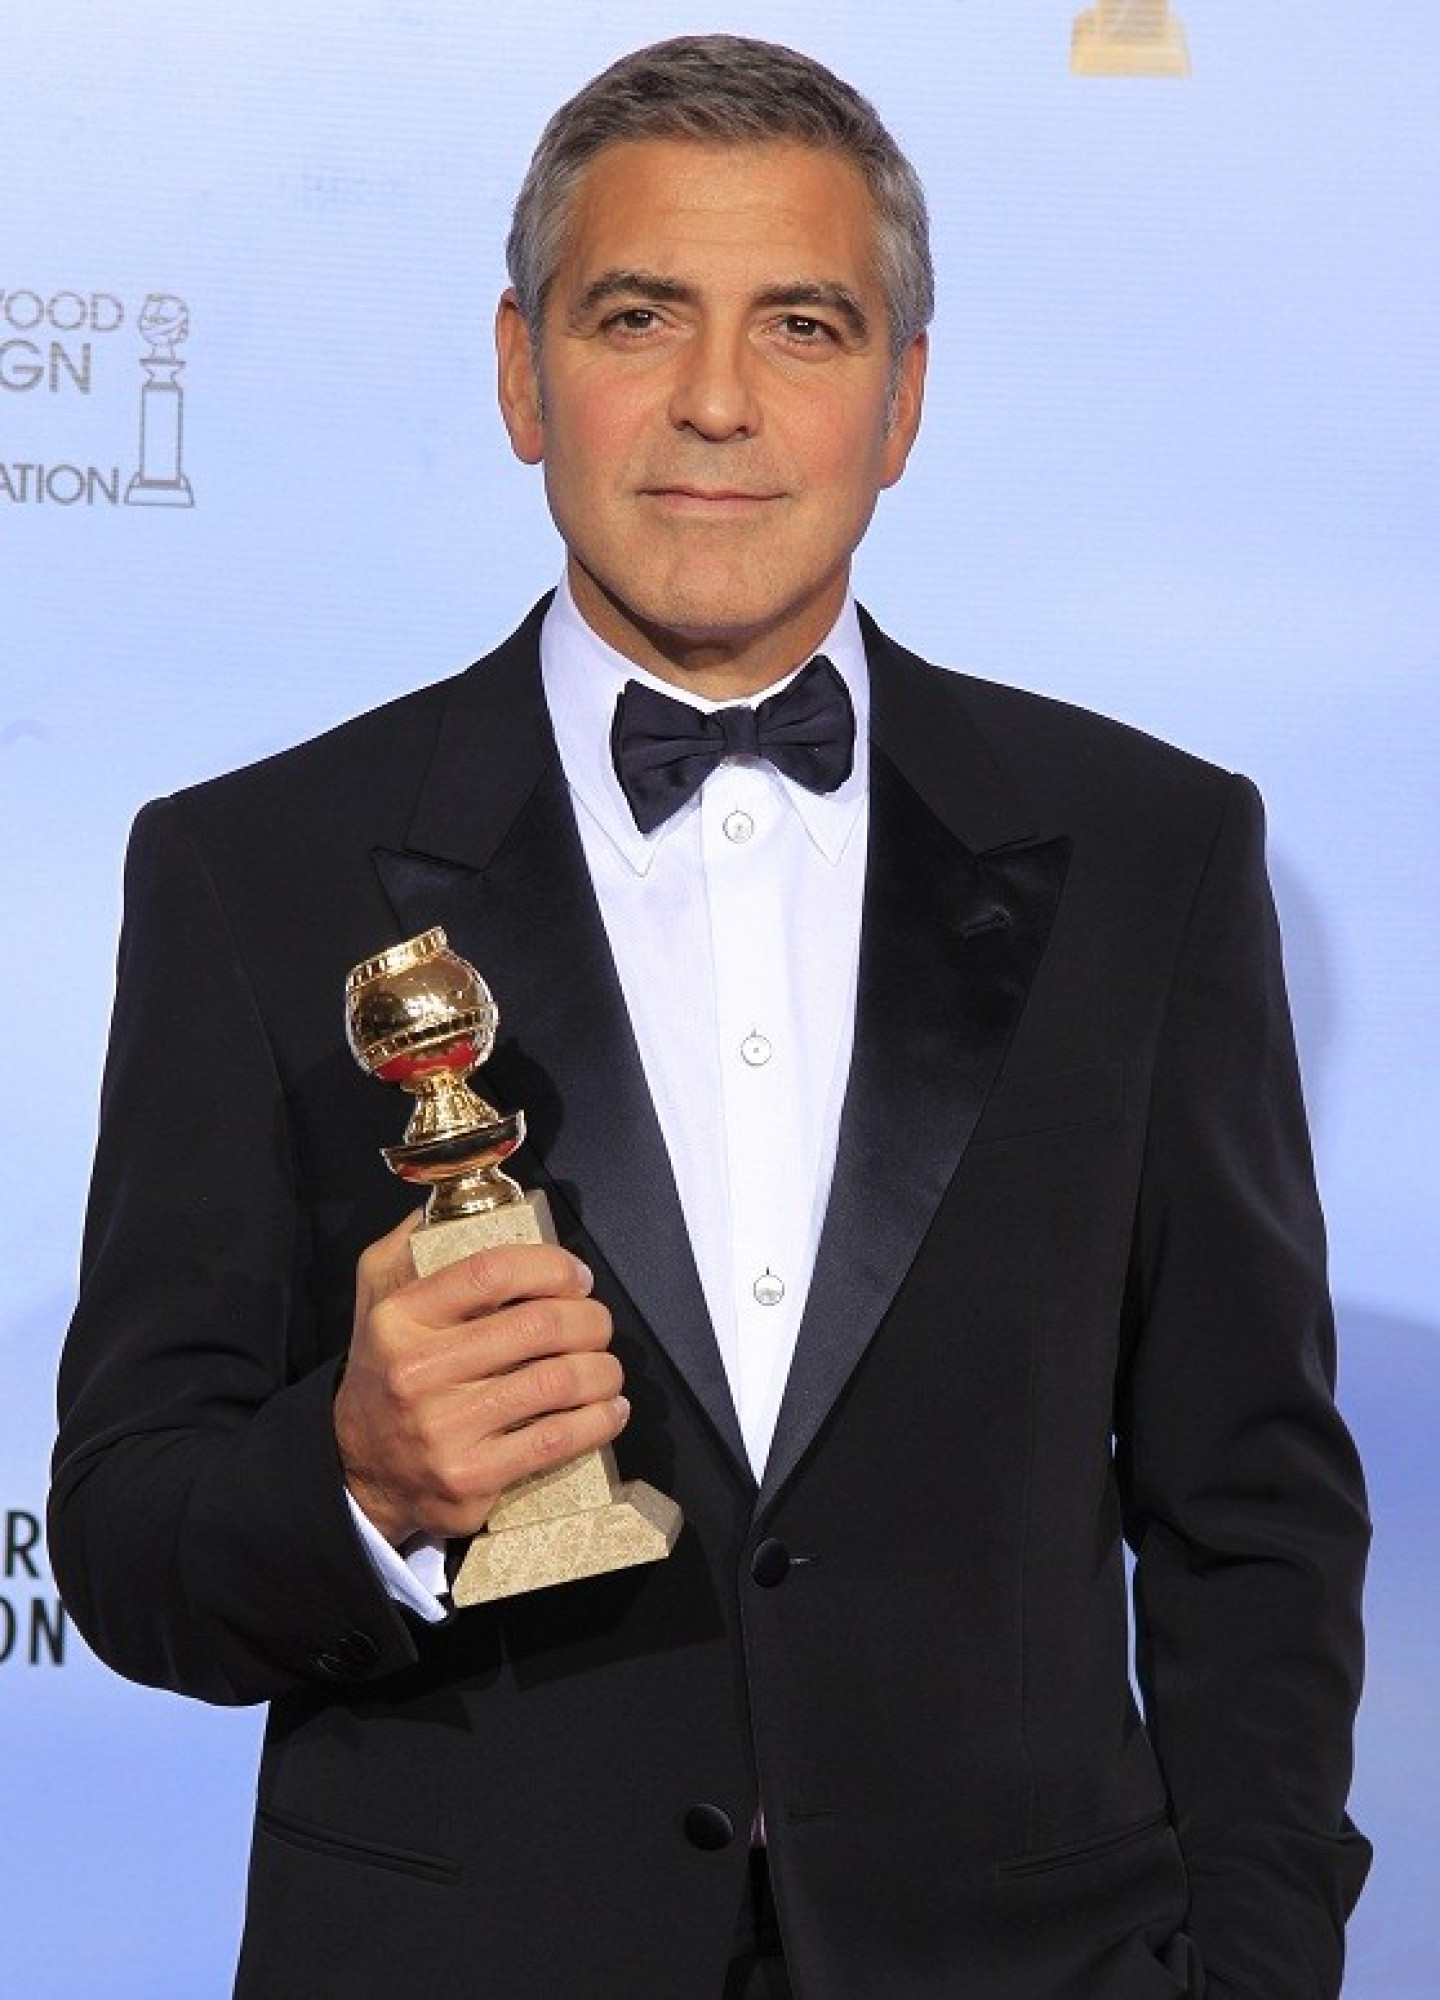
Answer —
(198, 1525)
(1245, 1505)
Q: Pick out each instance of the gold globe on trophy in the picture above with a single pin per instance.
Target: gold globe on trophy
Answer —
(420, 1016)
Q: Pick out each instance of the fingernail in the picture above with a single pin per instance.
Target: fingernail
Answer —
(587, 1276)
(622, 1408)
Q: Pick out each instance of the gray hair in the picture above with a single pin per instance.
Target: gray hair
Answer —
(724, 90)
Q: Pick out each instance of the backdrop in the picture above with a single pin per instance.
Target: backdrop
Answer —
(1178, 465)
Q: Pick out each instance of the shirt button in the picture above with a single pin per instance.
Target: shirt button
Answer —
(768, 1289)
(709, 1828)
(738, 827)
(756, 1050)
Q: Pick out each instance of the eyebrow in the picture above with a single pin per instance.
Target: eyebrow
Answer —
(831, 298)
(631, 284)
(672, 291)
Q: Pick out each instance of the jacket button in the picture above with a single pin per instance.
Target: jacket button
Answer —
(709, 1827)
(770, 1564)
(350, 1658)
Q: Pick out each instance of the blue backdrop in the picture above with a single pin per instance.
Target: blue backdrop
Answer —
(1179, 464)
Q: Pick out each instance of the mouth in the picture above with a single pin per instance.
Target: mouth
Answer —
(710, 502)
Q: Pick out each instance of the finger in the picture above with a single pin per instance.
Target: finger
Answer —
(558, 1436)
(425, 1421)
(489, 1280)
(545, 1387)
(417, 1364)
(420, 1453)
(549, 1443)
(456, 1466)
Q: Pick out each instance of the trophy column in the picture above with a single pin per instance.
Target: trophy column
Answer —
(420, 1016)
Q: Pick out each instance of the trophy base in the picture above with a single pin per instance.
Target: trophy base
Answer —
(142, 492)
(1096, 52)
(576, 1520)
(639, 1525)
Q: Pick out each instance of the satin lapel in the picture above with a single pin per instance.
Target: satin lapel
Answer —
(521, 907)
(950, 943)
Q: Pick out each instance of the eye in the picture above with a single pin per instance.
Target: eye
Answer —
(633, 319)
(800, 330)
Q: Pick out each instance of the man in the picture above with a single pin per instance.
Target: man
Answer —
(935, 1206)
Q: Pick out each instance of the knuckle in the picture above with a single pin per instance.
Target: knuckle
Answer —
(552, 1383)
(484, 1271)
(538, 1326)
(385, 1323)
(459, 1488)
(545, 1322)
(448, 1489)
(460, 1478)
(548, 1442)
(511, 1397)
(595, 1319)
(405, 1382)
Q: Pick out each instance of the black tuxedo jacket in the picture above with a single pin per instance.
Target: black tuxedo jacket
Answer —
(1069, 1294)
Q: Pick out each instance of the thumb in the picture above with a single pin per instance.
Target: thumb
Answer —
(386, 1264)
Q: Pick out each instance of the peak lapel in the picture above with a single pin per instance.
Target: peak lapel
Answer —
(493, 854)
(952, 936)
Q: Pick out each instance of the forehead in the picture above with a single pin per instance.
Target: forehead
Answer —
(702, 212)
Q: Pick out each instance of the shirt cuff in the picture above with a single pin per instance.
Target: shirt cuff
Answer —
(415, 1579)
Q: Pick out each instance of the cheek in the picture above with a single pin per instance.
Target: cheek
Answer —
(842, 448)
(601, 429)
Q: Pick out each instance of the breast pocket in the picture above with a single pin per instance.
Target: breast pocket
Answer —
(1020, 1107)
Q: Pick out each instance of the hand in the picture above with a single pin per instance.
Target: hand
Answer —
(459, 1383)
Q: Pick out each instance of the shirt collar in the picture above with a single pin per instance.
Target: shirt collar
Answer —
(583, 677)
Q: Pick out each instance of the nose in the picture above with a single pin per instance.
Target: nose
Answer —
(713, 393)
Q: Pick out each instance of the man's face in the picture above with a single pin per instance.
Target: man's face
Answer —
(713, 402)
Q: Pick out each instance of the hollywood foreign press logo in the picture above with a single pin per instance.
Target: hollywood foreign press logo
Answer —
(33, 1622)
(89, 419)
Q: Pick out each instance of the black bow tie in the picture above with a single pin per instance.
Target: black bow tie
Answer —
(664, 750)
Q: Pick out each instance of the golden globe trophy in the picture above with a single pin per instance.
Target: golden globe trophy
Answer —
(421, 1016)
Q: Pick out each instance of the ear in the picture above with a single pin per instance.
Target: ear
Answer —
(518, 382)
(905, 408)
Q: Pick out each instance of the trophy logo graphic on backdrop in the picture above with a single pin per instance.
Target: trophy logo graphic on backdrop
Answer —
(68, 363)
(160, 480)
(1129, 38)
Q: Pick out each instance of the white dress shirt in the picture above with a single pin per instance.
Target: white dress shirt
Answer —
(735, 930)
